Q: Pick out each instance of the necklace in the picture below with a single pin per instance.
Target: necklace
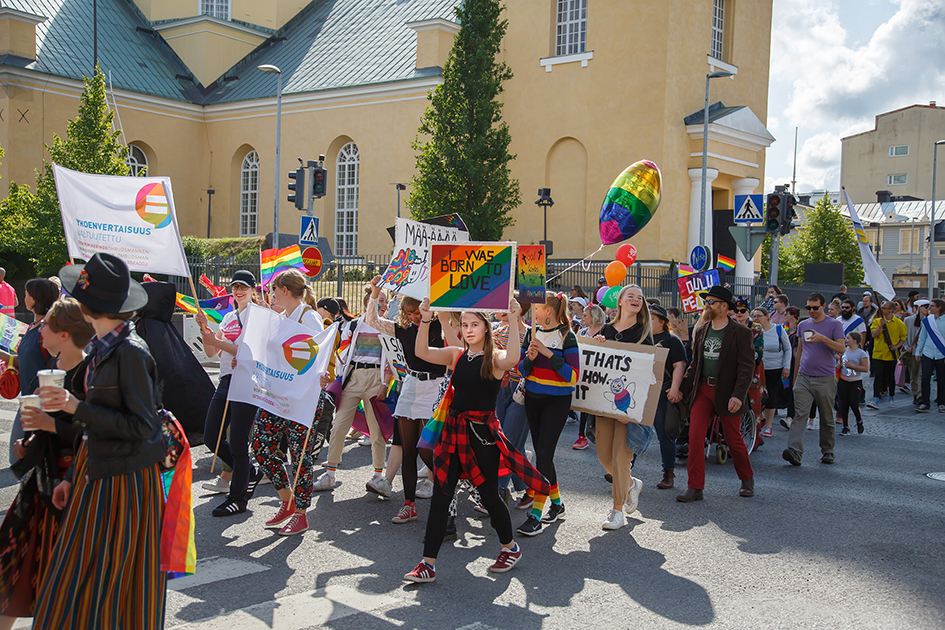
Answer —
(470, 355)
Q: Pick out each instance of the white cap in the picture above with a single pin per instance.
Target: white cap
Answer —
(922, 303)
(580, 301)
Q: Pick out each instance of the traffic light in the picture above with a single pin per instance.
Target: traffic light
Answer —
(297, 188)
(788, 213)
(319, 182)
(773, 214)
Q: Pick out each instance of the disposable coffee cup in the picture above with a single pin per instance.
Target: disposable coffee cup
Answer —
(52, 378)
(808, 335)
(30, 401)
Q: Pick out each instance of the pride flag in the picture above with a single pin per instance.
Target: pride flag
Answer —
(215, 308)
(274, 261)
(685, 270)
(726, 263)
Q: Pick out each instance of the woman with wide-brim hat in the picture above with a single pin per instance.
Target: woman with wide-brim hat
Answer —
(106, 566)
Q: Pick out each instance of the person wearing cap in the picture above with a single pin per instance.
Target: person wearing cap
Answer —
(577, 304)
(716, 384)
(910, 358)
(106, 566)
(669, 392)
(241, 482)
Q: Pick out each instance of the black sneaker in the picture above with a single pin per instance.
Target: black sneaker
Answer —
(254, 480)
(229, 507)
(531, 527)
(859, 428)
(923, 408)
(554, 513)
(845, 431)
(791, 456)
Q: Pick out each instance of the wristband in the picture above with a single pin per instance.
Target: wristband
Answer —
(425, 321)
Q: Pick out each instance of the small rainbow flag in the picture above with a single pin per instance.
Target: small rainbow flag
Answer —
(726, 263)
(274, 261)
(214, 308)
(685, 270)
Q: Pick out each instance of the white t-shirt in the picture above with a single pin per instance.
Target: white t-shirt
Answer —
(311, 318)
(854, 357)
(232, 332)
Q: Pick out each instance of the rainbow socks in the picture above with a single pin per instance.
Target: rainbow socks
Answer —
(555, 495)
(538, 507)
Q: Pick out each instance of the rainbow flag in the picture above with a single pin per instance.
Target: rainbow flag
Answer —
(274, 261)
(685, 270)
(726, 263)
(178, 549)
(215, 308)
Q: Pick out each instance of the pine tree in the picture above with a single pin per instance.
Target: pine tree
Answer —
(90, 146)
(825, 236)
(464, 165)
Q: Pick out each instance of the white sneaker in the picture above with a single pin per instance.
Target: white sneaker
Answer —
(365, 440)
(380, 486)
(633, 496)
(323, 483)
(217, 486)
(422, 471)
(424, 489)
(615, 520)
(811, 426)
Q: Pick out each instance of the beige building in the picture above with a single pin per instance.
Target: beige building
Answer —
(896, 156)
(599, 84)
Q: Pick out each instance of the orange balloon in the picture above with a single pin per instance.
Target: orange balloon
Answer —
(615, 273)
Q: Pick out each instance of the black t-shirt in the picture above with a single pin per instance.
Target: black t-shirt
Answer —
(408, 339)
(677, 352)
(629, 335)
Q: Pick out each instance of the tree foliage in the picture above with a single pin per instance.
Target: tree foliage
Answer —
(463, 166)
(825, 236)
(90, 146)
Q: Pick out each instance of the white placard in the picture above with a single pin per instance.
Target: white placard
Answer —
(409, 269)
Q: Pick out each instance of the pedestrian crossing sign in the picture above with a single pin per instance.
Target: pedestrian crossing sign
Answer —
(748, 209)
(308, 232)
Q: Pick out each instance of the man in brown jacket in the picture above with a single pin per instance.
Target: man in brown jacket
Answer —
(716, 384)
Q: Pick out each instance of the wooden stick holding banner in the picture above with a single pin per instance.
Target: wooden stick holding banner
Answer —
(471, 276)
(219, 436)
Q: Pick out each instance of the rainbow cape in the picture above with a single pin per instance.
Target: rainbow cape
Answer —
(726, 263)
(178, 549)
(274, 261)
(215, 308)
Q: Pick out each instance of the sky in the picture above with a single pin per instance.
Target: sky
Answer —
(835, 65)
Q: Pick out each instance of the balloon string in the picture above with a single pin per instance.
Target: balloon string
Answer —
(580, 262)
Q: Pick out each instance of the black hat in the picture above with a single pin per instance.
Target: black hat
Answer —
(656, 309)
(741, 300)
(104, 284)
(720, 293)
(244, 277)
(602, 280)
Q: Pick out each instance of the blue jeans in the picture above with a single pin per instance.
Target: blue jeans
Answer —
(667, 446)
(514, 424)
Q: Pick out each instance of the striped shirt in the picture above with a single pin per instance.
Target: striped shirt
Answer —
(500, 337)
(557, 375)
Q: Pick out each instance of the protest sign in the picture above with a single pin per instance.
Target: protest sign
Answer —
(132, 218)
(531, 274)
(471, 276)
(396, 358)
(690, 286)
(619, 380)
(409, 269)
(279, 363)
(11, 332)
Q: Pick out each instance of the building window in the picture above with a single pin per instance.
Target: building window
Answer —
(346, 202)
(718, 25)
(215, 8)
(249, 194)
(899, 150)
(137, 161)
(909, 240)
(571, 33)
(899, 179)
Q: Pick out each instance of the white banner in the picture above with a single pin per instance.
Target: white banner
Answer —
(409, 269)
(396, 357)
(279, 363)
(875, 276)
(132, 218)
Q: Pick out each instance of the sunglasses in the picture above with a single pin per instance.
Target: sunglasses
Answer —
(741, 311)
(813, 308)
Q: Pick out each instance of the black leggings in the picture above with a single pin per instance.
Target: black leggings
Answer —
(487, 457)
(235, 453)
(884, 377)
(582, 428)
(409, 435)
(848, 393)
(546, 418)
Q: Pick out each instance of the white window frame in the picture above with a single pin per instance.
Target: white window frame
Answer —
(717, 44)
(891, 179)
(940, 281)
(904, 244)
(137, 161)
(570, 27)
(220, 9)
(249, 194)
(893, 150)
(346, 201)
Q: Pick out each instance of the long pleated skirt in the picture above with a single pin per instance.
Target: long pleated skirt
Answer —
(106, 566)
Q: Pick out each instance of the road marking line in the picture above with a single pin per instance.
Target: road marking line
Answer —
(213, 569)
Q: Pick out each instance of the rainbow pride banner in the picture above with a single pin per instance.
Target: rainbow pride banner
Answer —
(531, 274)
(215, 308)
(471, 276)
(272, 262)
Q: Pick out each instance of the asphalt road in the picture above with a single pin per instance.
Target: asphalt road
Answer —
(855, 545)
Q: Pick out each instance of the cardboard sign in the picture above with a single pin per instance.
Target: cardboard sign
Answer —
(11, 332)
(680, 328)
(396, 358)
(690, 286)
(409, 269)
(531, 274)
(471, 276)
(619, 380)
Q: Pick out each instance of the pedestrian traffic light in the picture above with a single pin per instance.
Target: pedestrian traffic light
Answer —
(297, 188)
(787, 214)
(319, 182)
(773, 214)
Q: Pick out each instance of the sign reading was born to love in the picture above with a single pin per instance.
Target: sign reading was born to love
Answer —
(691, 286)
(471, 276)
(619, 380)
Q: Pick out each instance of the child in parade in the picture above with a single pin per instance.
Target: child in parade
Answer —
(854, 364)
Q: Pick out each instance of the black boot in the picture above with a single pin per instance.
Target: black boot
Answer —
(690, 495)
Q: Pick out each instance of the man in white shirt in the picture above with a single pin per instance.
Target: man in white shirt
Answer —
(908, 355)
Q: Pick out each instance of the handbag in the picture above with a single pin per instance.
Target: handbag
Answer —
(10, 384)
(672, 422)
(900, 375)
(518, 396)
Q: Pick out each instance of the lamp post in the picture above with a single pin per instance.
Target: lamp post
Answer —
(705, 148)
(932, 216)
(275, 182)
(544, 202)
(399, 188)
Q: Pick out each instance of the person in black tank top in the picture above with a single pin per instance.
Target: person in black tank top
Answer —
(472, 444)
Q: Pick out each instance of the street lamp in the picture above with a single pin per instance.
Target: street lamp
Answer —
(544, 202)
(705, 148)
(932, 215)
(275, 183)
(399, 188)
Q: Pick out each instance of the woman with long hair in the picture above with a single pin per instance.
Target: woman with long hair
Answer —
(240, 484)
(550, 367)
(777, 364)
(291, 292)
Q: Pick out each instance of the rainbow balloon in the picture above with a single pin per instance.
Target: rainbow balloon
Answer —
(630, 203)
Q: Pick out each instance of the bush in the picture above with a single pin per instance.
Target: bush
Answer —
(204, 248)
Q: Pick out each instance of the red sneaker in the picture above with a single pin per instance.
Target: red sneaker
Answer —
(286, 510)
(580, 444)
(407, 513)
(297, 524)
(508, 558)
(422, 573)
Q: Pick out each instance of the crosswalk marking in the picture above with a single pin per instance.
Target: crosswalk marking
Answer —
(214, 569)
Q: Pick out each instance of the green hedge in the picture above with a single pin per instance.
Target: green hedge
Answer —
(223, 247)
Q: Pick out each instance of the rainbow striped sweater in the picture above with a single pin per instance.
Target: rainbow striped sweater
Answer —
(556, 375)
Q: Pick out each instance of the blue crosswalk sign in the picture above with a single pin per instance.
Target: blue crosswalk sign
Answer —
(308, 232)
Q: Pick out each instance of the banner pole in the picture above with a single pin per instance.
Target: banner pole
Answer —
(301, 457)
(196, 299)
(219, 436)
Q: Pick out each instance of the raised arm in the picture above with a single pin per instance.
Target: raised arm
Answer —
(440, 356)
(507, 359)
(371, 318)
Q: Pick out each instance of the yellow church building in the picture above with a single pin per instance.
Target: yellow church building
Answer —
(599, 84)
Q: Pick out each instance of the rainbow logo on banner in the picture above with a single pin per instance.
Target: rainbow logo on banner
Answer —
(300, 352)
(471, 276)
(531, 274)
(151, 205)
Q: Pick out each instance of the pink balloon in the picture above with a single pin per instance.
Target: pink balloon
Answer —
(601, 292)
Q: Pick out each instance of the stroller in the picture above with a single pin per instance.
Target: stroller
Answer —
(750, 427)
